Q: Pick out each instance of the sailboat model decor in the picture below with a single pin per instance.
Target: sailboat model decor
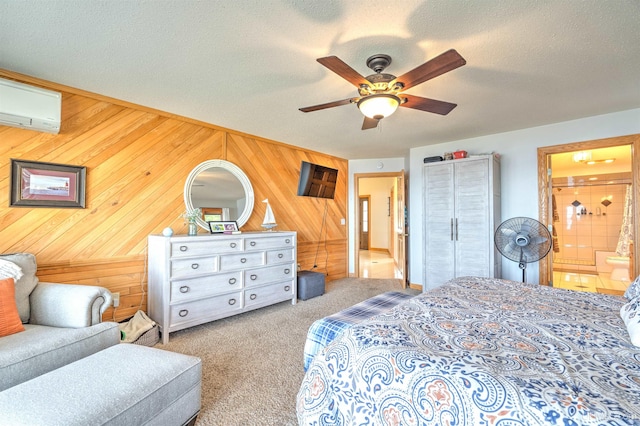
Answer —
(269, 221)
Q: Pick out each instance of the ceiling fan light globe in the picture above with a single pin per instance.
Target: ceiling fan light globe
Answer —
(378, 106)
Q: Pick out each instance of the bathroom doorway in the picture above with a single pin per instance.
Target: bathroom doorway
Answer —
(588, 200)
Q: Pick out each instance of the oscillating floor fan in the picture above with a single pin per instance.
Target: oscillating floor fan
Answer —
(523, 240)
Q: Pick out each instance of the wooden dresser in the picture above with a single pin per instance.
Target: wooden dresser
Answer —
(194, 280)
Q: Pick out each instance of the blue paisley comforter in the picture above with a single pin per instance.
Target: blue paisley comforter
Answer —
(480, 351)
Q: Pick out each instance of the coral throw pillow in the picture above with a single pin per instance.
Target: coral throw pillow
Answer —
(9, 318)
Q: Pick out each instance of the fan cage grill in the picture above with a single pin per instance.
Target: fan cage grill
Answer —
(523, 240)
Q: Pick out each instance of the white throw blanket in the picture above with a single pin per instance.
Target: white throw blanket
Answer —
(136, 327)
(10, 270)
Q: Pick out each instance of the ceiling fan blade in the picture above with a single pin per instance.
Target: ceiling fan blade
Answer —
(338, 66)
(369, 123)
(328, 105)
(426, 104)
(439, 65)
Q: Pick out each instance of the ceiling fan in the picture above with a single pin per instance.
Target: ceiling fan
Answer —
(381, 93)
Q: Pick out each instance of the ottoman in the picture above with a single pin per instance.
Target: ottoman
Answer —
(310, 284)
(121, 385)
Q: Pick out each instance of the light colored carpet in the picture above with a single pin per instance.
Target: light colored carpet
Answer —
(252, 363)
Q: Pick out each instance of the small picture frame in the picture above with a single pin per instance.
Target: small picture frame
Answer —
(223, 226)
(37, 184)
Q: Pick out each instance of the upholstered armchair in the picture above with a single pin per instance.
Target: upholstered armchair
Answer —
(61, 323)
(56, 305)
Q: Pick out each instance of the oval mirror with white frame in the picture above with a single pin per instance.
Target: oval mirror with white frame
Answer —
(221, 190)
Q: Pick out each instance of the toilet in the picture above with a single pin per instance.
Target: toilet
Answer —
(620, 265)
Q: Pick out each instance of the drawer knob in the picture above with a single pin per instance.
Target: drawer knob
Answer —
(287, 241)
(253, 296)
(254, 277)
(280, 255)
(184, 248)
(233, 245)
(184, 289)
(183, 313)
(243, 260)
(232, 281)
(287, 271)
(232, 301)
(194, 266)
(287, 288)
(252, 243)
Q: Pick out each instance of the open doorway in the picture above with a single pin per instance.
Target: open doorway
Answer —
(588, 198)
(381, 236)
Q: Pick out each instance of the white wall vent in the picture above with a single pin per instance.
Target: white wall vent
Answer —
(29, 107)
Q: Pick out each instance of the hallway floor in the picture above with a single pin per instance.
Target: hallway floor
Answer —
(601, 283)
(375, 264)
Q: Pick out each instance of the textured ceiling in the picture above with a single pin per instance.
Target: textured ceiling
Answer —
(249, 65)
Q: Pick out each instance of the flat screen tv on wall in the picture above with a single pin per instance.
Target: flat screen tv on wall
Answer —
(317, 181)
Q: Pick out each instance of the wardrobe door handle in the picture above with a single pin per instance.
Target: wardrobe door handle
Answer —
(184, 289)
(456, 229)
(253, 296)
(183, 313)
(451, 229)
(232, 281)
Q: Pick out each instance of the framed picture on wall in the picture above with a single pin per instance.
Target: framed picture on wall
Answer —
(223, 227)
(36, 184)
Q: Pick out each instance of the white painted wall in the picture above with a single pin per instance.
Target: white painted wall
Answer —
(519, 174)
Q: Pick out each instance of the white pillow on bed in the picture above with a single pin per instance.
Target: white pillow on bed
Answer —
(630, 314)
(633, 290)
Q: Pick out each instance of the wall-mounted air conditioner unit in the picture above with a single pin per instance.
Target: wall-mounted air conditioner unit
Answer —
(29, 107)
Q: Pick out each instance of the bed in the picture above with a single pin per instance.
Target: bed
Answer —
(325, 330)
(480, 351)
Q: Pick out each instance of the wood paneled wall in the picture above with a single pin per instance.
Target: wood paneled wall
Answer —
(137, 161)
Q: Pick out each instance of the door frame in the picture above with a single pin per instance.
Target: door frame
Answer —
(356, 191)
(546, 267)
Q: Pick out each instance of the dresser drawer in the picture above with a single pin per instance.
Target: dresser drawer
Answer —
(268, 274)
(268, 243)
(279, 256)
(193, 266)
(199, 248)
(241, 260)
(199, 310)
(195, 288)
(268, 294)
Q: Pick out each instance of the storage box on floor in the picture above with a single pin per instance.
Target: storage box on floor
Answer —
(310, 284)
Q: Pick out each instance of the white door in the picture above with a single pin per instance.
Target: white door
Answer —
(472, 227)
(400, 230)
(439, 224)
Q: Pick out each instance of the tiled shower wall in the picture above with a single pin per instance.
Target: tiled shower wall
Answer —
(589, 226)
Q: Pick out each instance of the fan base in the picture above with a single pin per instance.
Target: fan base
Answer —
(378, 62)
